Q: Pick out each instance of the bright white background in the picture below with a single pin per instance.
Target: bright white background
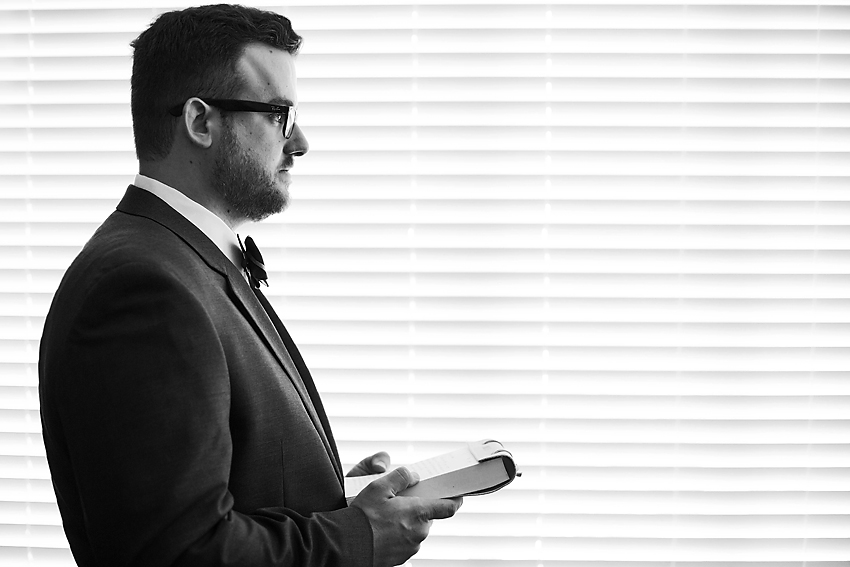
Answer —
(612, 235)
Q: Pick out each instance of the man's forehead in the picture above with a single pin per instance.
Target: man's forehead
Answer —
(268, 74)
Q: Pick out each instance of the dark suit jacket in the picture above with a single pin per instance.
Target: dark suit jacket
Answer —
(178, 429)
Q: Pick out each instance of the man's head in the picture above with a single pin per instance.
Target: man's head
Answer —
(194, 52)
(188, 69)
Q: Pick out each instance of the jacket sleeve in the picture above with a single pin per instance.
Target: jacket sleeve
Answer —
(142, 392)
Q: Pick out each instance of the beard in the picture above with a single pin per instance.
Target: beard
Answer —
(246, 188)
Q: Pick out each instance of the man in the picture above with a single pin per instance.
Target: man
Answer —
(181, 424)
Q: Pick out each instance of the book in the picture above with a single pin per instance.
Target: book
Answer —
(477, 468)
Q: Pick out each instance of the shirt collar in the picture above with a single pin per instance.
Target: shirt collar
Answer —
(207, 222)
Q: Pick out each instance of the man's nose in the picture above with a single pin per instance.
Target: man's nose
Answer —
(297, 144)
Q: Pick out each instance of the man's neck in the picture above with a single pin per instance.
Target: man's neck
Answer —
(188, 182)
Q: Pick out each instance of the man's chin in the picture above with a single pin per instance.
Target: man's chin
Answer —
(261, 215)
(283, 203)
(261, 208)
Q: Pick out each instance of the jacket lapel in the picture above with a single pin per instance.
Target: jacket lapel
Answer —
(273, 338)
(142, 203)
(307, 380)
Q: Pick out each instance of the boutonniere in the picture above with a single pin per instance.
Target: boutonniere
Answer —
(252, 263)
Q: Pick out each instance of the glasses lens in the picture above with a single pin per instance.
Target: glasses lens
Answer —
(290, 122)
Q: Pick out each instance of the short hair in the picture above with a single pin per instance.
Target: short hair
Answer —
(193, 52)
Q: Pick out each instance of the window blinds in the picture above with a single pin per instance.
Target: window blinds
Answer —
(613, 236)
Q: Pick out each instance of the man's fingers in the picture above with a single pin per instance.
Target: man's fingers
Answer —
(441, 508)
(376, 464)
(381, 462)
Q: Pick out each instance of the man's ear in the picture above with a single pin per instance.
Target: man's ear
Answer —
(196, 122)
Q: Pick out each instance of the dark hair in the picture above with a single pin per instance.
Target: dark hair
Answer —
(193, 52)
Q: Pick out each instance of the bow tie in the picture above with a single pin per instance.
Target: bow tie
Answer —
(253, 263)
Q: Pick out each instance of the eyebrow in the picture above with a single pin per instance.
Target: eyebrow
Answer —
(281, 101)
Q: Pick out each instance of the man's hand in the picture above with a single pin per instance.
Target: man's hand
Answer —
(376, 464)
(400, 523)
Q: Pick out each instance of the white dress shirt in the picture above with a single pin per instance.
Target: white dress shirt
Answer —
(207, 222)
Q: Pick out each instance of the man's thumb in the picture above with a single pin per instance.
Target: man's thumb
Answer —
(400, 479)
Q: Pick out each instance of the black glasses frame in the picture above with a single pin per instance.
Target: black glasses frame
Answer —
(286, 111)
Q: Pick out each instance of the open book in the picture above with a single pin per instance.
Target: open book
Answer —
(478, 468)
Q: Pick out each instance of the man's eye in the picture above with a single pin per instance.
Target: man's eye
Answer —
(278, 117)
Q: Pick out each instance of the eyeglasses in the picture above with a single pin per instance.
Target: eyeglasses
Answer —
(283, 114)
